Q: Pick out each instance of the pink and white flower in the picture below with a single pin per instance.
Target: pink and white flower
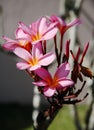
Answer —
(62, 24)
(51, 84)
(39, 30)
(12, 44)
(35, 60)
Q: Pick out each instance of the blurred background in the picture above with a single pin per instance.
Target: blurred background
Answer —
(16, 90)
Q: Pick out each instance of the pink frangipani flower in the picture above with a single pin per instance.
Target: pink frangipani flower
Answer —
(39, 30)
(51, 84)
(61, 24)
(12, 44)
(35, 60)
(9, 44)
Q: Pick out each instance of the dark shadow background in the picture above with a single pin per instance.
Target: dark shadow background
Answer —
(15, 116)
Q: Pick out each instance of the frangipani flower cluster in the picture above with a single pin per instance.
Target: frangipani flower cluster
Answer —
(30, 46)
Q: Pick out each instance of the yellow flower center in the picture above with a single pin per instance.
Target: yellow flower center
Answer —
(34, 61)
(23, 42)
(36, 37)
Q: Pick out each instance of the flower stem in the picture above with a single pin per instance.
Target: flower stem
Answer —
(61, 45)
(44, 47)
(56, 49)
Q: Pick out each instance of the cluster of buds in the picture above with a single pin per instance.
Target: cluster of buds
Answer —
(30, 45)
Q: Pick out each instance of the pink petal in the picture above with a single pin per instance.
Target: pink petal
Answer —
(8, 39)
(32, 68)
(50, 34)
(36, 41)
(55, 18)
(22, 53)
(51, 26)
(35, 26)
(25, 28)
(10, 46)
(63, 70)
(47, 59)
(43, 74)
(66, 82)
(75, 22)
(24, 39)
(42, 26)
(22, 65)
(20, 34)
(49, 92)
(40, 83)
(37, 50)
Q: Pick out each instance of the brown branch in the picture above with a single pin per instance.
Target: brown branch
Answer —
(44, 120)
